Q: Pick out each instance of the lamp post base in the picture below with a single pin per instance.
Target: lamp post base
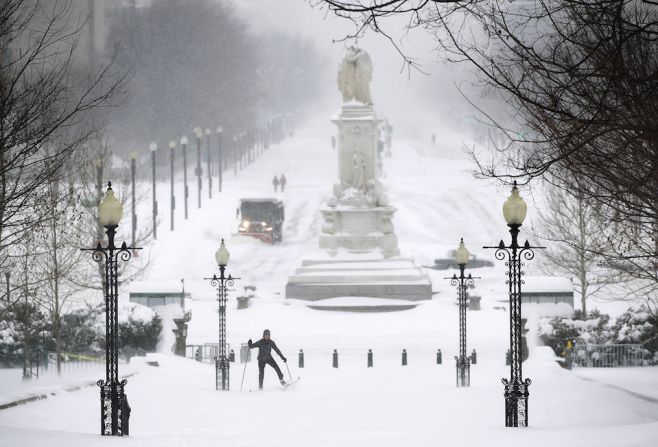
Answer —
(115, 411)
(222, 380)
(516, 402)
(463, 371)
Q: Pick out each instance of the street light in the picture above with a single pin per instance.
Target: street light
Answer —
(463, 362)
(516, 389)
(220, 156)
(7, 276)
(154, 147)
(209, 164)
(197, 171)
(133, 174)
(114, 405)
(183, 141)
(172, 205)
(235, 155)
(221, 361)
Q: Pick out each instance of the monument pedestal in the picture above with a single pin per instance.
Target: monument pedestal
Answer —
(360, 256)
(365, 275)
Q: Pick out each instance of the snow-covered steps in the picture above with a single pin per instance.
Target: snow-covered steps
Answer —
(367, 276)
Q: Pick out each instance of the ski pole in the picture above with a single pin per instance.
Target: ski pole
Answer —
(245, 370)
(289, 375)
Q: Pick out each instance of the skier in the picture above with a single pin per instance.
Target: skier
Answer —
(283, 182)
(275, 183)
(265, 346)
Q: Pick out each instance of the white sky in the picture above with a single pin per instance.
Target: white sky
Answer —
(397, 95)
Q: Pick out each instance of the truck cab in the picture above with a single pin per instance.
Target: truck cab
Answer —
(262, 219)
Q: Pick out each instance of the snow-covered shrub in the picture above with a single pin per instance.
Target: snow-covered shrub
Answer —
(22, 325)
(139, 328)
(592, 328)
(637, 325)
(83, 330)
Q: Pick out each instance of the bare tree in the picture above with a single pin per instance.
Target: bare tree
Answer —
(580, 81)
(48, 107)
(575, 247)
(57, 259)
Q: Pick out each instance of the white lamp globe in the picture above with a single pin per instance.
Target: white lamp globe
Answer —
(219, 129)
(183, 140)
(172, 144)
(222, 255)
(198, 131)
(514, 208)
(153, 146)
(461, 254)
(110, 209)
(207, 130)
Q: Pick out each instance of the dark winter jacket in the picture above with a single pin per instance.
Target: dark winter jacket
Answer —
(265, 349)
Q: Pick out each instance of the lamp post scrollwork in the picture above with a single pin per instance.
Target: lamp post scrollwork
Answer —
(516, 388)
(114, 404)
(462, 282)
(222, 366)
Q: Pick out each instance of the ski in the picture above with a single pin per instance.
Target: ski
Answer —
(292, 382)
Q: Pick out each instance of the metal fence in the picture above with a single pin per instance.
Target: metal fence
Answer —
(611, 356)
(205, 353)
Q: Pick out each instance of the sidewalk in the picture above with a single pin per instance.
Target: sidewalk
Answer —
(14, 390)
(641, 382)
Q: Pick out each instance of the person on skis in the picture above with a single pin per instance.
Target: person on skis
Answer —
(265, 346)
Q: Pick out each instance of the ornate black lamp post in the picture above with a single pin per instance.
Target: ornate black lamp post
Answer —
(197, 171)
(113, 400)
(221, 361)
(220, 157)
(516, 388)
(209, 163)
(133, 214)
(463, 362)
(7, 276)
(183, 142)
(172, 204)
(154, 147)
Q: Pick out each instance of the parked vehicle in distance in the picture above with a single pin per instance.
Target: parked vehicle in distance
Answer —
(262, 219)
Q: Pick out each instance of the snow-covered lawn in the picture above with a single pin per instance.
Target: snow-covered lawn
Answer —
(175, 404)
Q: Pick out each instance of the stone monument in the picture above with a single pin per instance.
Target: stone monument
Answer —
(360, 255)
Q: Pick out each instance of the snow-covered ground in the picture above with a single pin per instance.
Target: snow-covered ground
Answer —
(438, 202)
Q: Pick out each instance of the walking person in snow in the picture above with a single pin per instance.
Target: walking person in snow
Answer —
(275, 183)
(283, 182)
(265, 346)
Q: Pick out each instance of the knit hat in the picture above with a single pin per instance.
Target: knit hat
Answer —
(266, 332)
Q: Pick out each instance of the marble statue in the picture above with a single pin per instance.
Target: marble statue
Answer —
(358, 171)
(354, 76)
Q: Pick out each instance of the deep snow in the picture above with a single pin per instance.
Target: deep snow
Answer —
(175, 404)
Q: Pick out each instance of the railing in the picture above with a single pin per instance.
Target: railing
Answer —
(610, 356)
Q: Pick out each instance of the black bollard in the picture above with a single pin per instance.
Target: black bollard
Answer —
(438, 357)
(474, 358)
(231, 356)
(369, 358)
(301, 358)
(335, 359)
(508, 358)
(404, 357)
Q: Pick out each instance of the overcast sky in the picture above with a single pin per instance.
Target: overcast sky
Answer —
(396, 94)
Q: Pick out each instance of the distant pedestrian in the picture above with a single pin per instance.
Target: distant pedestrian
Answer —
(433, 139)
(265, 346)
(283, 182)
(275, 183)
(333, 142)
